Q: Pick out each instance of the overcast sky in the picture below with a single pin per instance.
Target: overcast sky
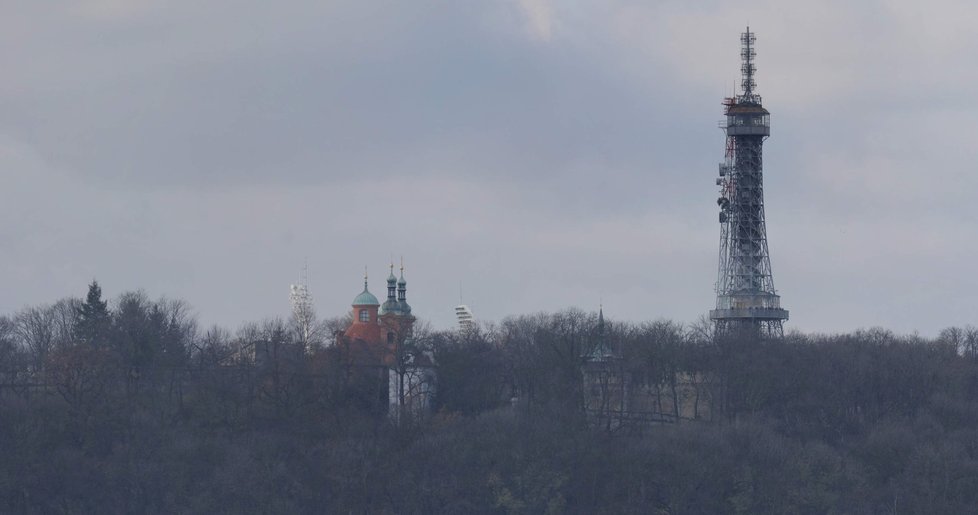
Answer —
(544, 154)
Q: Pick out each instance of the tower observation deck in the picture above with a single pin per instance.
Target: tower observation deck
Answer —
(746, 298)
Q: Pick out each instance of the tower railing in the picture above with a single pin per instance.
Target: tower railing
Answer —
(748, 301)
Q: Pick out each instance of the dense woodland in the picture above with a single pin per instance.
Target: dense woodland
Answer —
(129, 407)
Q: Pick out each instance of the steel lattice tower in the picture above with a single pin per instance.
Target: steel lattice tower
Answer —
(746, 299)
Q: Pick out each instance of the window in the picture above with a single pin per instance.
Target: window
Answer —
(364, 315)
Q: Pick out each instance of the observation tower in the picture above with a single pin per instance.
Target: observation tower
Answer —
(746, 298)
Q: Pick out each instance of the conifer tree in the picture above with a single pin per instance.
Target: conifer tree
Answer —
(93, 317)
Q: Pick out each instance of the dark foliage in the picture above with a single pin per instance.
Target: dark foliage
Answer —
(133, 410)
(93, 317)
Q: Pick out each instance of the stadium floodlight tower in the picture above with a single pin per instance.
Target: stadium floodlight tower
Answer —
(746, 299)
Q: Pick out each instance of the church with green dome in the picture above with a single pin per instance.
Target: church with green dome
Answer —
(380, 342)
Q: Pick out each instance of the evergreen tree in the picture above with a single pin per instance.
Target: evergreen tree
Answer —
(93, 317)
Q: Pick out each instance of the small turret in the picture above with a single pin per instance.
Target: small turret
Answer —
(402, 304)
(365, 306)
(601, 351)
(391, 284)
(391, 305)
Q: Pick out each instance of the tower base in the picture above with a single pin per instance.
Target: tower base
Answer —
(765, 328)
(751, 312)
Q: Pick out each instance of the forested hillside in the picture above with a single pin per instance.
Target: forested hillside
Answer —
(129, 407)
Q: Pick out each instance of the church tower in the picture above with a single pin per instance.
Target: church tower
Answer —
(379, 342)
(395, 314)
(365, 325)
(605, 385)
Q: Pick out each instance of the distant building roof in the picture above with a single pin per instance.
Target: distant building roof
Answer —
(366, 298)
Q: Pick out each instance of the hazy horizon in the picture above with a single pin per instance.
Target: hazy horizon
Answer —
(545, 155)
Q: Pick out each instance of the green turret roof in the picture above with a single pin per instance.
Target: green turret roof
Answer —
(601, 351)
(366, 298)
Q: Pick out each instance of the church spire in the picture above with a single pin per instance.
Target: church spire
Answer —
(402, 285)
(391, 284)
(601, 351)
(601, 321)
(402, 304)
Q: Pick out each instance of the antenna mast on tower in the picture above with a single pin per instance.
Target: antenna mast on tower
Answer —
(746, 298)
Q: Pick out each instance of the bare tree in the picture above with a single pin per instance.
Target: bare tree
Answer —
(65, 318)
(14, 359)
(702, 331)
(970, 342)
(412, 385)
(175, 323)
(280, 361)
(35, 326)
(546, 354)
(328, 328)
(216, 347)
(963, 340)
(86, 377)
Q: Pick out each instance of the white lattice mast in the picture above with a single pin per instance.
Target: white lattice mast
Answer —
(746, 298)
(303, 311)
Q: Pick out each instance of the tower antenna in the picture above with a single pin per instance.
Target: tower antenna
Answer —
(747, 69)
(746, 298)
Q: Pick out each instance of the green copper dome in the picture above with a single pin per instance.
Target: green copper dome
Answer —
(366, 298)
(404, 307)
(390, 307)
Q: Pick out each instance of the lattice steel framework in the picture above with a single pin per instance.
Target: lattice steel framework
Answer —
(303, 311)
(746, 298)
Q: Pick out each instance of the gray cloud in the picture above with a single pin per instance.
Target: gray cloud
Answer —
(544, 154)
